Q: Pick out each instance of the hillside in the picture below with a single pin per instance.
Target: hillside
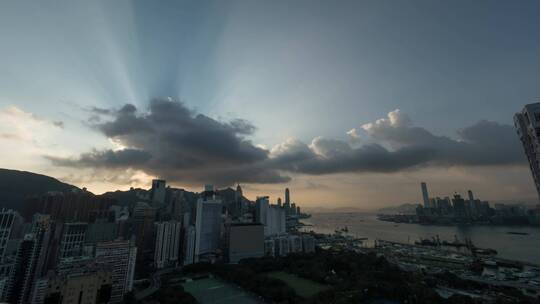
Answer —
(16, 185)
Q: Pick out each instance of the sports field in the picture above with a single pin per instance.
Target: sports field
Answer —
(214, 291)
(302, 287)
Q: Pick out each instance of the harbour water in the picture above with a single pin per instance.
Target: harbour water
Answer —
(524, 246)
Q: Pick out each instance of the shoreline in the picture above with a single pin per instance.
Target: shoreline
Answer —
(511, 246)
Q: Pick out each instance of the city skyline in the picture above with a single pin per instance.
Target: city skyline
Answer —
(286, 151)
(348, 112)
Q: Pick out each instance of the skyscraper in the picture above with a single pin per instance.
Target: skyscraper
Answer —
(207, 226)
(471, 195)
(143, 227)
(177, 204)
(460, 209)
(238, 207)
(261, 209)
(527, 124)
(26, 268)
(287, 203)
(425, 195)
(276, 222)
(158, 192)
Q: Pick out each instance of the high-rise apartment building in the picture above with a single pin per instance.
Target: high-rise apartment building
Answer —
(9, 222)
(73, 236)
(118, 257)
(167, 243)
(281, 245)
(189, 245)
(295, 243)
(276, 221)
(26, 265)
(527, 124)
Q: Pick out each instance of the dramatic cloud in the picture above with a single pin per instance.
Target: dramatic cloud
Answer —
(395, 144)
(171, 141)
(327, 156)
(485, 143)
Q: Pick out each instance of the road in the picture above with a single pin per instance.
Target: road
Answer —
(155, 283)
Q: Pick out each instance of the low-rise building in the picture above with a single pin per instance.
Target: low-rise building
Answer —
(244, 240)
(281, 245)
(308, 243)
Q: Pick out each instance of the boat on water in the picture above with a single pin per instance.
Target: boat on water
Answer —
(342, 230)
(426, 242)
(517, 233)
(454, 244)
(484, 251)
(435, 242)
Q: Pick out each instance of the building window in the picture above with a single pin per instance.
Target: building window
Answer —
(537, 116)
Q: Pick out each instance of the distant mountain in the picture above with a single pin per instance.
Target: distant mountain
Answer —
(401, 209)
(15, 186)
(315, 210)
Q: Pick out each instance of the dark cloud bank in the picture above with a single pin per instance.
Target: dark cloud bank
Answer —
(172, 142)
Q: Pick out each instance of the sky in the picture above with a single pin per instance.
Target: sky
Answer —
(348, 103)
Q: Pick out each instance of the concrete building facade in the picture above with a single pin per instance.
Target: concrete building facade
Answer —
(527, 123)
(207, 226)
(167, 243)
(119, 257)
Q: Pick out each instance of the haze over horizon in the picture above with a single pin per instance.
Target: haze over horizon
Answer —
(351, 105)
